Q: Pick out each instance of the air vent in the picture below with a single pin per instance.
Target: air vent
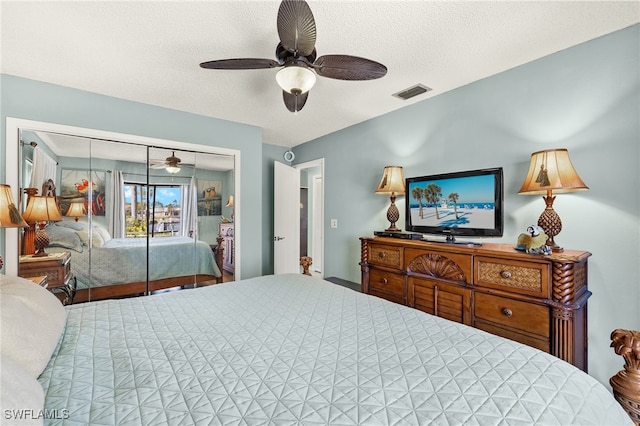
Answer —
(409, 93)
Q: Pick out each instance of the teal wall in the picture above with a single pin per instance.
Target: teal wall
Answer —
(585, 99)
(32, 100)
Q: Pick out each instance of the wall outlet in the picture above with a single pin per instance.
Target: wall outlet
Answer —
(334, 223)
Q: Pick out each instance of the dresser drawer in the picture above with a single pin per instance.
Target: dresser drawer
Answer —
(537, 342)
(387, 282)
(517, 277)
(385, 256)
(513, 314)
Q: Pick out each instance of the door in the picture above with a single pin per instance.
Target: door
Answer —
(286, 212)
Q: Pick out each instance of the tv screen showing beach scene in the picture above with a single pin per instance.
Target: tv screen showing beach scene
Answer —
(461, 203)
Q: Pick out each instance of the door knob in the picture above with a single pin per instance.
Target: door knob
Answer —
(278, 238)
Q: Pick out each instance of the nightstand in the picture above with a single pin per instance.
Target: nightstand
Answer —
(42, 280)
(57, 268)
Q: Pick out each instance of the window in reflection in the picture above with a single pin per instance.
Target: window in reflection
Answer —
(165, 210)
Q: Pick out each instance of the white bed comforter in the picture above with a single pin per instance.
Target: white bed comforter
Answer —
(292, 349)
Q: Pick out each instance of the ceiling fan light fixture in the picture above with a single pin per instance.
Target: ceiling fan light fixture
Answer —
(173, 169)
(296, 78)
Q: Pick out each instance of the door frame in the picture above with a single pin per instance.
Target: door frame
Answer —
(319, 222)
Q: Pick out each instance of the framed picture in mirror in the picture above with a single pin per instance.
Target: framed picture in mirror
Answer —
(85, 185)
(209, 198)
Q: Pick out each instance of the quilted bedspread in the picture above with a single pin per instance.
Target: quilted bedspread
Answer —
(291, 349)
(124, 260)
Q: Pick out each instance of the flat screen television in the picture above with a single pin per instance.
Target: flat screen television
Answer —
(467, 204)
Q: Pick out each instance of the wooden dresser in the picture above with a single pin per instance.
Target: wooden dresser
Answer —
(540, 301)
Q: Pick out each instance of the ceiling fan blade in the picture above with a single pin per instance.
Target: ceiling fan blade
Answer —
(240, 64)
(345, 67)
(294, 101)
(158, 165)
(296, 27)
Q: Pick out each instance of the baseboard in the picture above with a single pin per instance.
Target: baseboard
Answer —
(344, 283)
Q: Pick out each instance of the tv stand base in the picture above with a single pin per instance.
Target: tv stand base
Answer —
(452, 240)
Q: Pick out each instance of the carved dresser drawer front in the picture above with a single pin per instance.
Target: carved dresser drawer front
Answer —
(386, 256)
(513, 314)
(446, 266)
(524, 278)
(387, 282)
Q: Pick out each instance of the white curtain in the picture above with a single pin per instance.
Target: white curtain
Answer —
(44, 168)
(189, 214)
(116, 211)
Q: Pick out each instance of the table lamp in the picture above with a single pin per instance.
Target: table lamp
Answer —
(230, 204)
(551, 171)
(9, 213)
(392, 183)
(76, 210)
(41, 210)
(29, 236)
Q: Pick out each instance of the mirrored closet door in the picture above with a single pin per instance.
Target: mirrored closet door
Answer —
(134, 219)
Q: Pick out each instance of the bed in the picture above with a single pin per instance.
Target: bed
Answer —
(116, 267)
(284, 349)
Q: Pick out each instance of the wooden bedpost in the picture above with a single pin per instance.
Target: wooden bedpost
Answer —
(626, 384)
(219, 256)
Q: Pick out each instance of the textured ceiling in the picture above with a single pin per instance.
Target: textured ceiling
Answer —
(149, 51)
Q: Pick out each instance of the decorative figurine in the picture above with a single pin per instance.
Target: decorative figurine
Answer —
(533, 241)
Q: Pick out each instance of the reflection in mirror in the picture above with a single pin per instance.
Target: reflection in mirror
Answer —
(215, 207)
(174, 247)
(310, 217)
(120, 201)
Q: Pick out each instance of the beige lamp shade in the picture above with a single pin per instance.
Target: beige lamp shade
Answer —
(9, 214)
(76, 210)
(392, 181)
(551, 170)
(42, 209)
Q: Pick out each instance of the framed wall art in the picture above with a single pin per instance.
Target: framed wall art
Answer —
(209, 198)
(86, 185)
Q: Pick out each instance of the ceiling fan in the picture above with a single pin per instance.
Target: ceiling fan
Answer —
(171, 164)
(296, 54)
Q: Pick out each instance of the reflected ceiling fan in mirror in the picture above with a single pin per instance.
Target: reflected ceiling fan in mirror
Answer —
(296, 54)
(171, 164)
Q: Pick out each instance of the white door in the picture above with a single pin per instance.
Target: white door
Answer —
(286, 219)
